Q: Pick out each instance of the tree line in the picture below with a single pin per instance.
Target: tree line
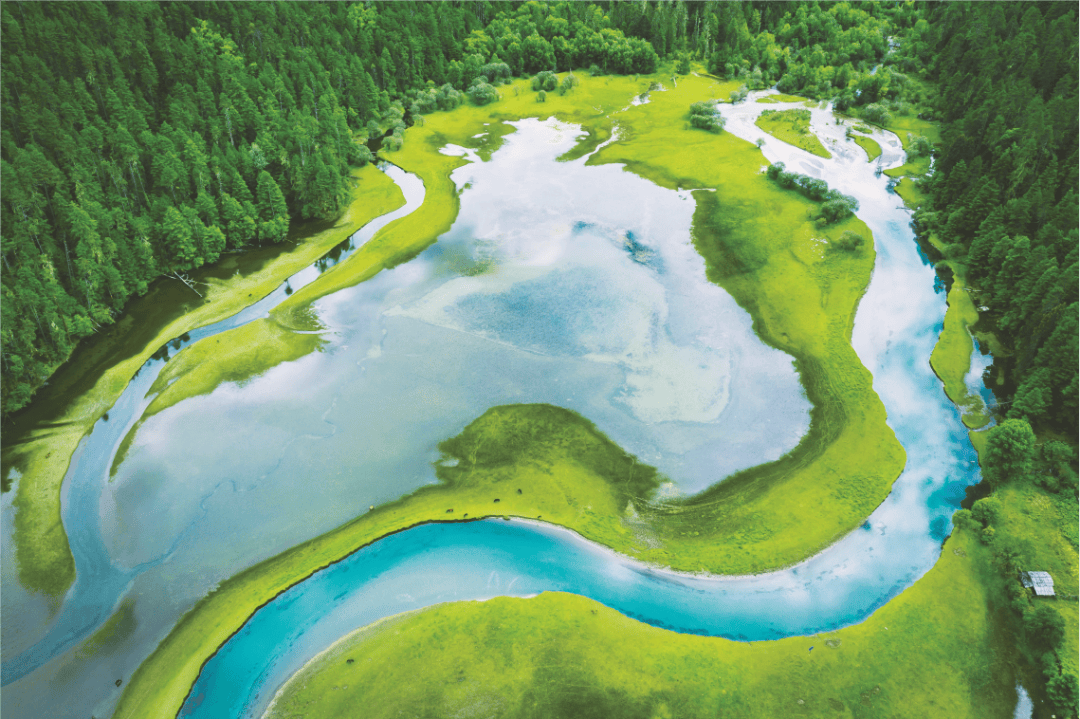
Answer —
(1004, 189)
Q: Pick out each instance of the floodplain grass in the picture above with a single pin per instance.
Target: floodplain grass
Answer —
(1040, 526)
(47, 433)
(823, 289)
(764, 248)
(930, 652)
(568, 473)
(872, 148)
(760, 244)
(792, 127)
(781, 97)
(951, 358)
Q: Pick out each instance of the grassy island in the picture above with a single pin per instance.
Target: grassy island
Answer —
(793, 127)
(873, 150)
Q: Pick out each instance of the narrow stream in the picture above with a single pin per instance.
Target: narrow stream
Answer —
(100, 582)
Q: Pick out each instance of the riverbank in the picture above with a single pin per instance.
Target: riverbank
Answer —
(561, 655)
(40, 441)
(951, 359)
(1031, 526)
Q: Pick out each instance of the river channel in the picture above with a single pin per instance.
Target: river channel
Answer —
(559, 282)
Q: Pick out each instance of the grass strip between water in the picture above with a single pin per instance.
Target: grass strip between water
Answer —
(47, 433)
(951, 358)
(792, 127)
(873, 150)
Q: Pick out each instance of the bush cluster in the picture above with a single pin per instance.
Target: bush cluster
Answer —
(431, 99)
(835, 205)
(705, 116)
(545, 80)
(481, 92)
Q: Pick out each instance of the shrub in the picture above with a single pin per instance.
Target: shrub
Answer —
(739, 95)
(836, 207)
(1044, 626)
(712, 123)
(483, 93)
(919, 146)
(987, 510)
(496, 73)
(833, 211)
(705, 116)
(546, 81)
(447, 98)
(541, 96)
(876, 113)
(392, 143)
(849, 241)
(569, 82)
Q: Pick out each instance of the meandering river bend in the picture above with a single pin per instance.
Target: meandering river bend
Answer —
(559, 282)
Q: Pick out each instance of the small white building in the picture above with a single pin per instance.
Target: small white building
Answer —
(1041, 583)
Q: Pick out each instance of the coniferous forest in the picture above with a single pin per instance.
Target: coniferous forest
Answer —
(145, 139)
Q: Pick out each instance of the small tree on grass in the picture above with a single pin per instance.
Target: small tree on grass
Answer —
(705, 116)
(918, 146)
(1010, 448)
(481, 92)
(546, 81)
(876, 113)
(849, 242)
(541, 96)
(837, 209)
(1044, 626)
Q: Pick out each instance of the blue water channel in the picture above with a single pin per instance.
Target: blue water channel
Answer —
(895, 331)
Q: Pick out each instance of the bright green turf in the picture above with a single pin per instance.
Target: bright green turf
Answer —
(951, 358)
(793, 127)
(873, 150)
(42, 452)
(781, 97)
(928, 653)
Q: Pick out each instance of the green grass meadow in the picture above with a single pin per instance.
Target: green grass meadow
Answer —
(793, 127)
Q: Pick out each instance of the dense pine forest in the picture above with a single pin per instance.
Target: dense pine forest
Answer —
(1004, 194)
(145, 139)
